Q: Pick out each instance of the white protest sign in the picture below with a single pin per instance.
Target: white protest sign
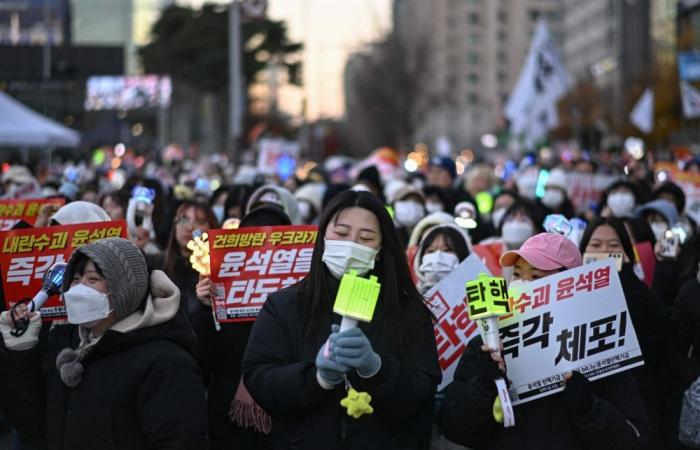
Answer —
(574, 320)
(453, 329)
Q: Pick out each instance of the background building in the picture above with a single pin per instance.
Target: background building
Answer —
(477, 48)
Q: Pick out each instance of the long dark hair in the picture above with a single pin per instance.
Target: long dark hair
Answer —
(527, 208)
(617, 225)
(398, 294)
(173, 249)
(453, 237)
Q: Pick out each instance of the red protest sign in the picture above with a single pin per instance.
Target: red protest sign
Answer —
(490, 255)
(647, 259)
(27, 253)
(12, 211)
(249, 263)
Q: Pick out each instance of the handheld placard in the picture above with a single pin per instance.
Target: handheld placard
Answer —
(199, 246)
(487, 299)
(356, 299)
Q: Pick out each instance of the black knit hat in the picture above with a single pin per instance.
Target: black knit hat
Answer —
(124, 267)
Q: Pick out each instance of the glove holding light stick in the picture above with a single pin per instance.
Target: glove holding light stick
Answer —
(199, 246)
(356, 300)
(50, 285)
(487, 298)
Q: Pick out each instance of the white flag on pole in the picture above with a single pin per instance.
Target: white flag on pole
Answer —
(543, 80)
(642, 116)
(691, 100)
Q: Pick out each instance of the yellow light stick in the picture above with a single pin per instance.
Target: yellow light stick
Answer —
(356, 299)
(199, 246)
(487, 299)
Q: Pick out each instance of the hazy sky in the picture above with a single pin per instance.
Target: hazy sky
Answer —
(331, 29)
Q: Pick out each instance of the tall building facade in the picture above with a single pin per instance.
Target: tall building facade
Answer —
(608, 42)
(124, 23)
(477, 48)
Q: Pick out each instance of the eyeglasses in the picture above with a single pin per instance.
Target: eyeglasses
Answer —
(199, 223)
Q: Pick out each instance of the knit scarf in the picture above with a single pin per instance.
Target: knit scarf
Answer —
(248, 414)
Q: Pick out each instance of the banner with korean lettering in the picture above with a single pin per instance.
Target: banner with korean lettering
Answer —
(453, 329)
(249, 263)
(574, 320)
(27, 253)
(12, 211)
(584, 189)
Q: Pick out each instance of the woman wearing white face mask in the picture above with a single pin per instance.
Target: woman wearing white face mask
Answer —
(299, 379)
(619, 199)
(121, 374)
(555, 199)
(409, 209)
(440, 251)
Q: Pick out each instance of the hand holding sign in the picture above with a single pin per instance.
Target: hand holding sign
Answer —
(487, 298)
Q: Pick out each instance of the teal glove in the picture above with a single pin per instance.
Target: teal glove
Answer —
(328, 371)
(352, 348)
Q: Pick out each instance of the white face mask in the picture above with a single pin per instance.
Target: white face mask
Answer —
(621, 204)
(515, 232)
(343, 256)
(433, 207)
(659, 228)
(435, 266)
(219, 212)
(497, 216)
(553, 198)
(408, 213)
(86, 306)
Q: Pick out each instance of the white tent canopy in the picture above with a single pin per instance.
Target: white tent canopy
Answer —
(23, 127)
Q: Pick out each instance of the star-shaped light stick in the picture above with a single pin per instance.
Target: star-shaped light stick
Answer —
(199, 246)
(357, 403)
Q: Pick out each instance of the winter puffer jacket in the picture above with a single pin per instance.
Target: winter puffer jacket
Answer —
(140, 389)
(617, 420)
(280, 373)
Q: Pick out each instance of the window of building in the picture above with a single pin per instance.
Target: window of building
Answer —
(502, 16)
(474, 39)
(473, 18)
(473, 99)
(473, 58)
(473, 78)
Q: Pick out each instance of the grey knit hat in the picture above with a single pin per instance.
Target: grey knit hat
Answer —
(124, 267)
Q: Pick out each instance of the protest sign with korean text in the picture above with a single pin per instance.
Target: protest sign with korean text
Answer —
(453, 328)
(574, 320)
(247, 264)
(26, 254)
(12, 211)
(584, 189)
